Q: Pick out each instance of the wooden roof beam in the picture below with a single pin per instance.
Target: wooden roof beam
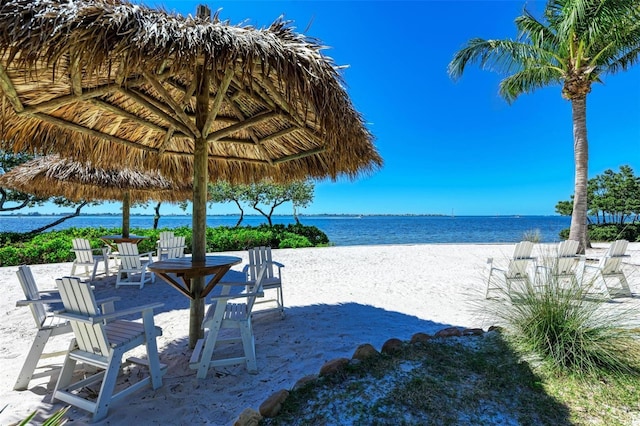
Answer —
(157, 85)
(252, 133)
(256, 119)
(89, 132)
(300, 155)
(9, 91)
(122, 113)
(68, 99)
(217, 101)
(148, 103)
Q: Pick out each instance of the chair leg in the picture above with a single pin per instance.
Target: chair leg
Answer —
(33, 357)
(281, 301)
(66, 374)
(95, 270)
(249, 346)
(142, 278)
(600, 278)
(486, 294)
(152, 350)
(207, 350)
(625, 285)
(108, 386)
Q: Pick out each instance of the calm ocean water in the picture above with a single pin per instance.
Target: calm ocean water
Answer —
(348, 230)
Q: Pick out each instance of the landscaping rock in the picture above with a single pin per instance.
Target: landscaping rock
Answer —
(449, 332)
(302, 382)
(249, 417)
(334, 366)
(365, 351)
(420, 338)
(272, 405)
(392, 346)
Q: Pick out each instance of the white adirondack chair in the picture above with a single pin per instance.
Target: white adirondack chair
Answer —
(563, 266)
(46, 324)
(86, 258)
(162, 242)
(610, 268)
(171, 248)
(101, 340)
(133, 266)
(517, 271)
(259, 256)
(224, 315)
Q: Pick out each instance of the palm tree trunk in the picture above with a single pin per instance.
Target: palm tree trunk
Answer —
(156, 216)
(578, 229)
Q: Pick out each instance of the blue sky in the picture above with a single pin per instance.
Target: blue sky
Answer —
(448, 146)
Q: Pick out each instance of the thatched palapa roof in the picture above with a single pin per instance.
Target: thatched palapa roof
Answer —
(52, 176)
(122, 85)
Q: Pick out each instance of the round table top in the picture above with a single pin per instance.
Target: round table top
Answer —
(187, 264)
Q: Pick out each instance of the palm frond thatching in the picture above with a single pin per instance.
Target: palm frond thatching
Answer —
(123, 85)
(53, 176)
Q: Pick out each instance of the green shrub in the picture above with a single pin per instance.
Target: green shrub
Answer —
(10, 256)
(313, 233)
(610, 232)
(568, 329)
(294, 241)
(55, 246)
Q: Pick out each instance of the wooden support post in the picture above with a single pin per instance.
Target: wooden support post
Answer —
(200, 181)
(126, 209)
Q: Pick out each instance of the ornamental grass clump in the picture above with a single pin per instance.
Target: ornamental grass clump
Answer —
(569, 328)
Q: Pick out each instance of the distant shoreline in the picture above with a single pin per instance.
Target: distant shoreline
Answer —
(320, 215)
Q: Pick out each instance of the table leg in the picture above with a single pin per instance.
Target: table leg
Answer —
(196, 311)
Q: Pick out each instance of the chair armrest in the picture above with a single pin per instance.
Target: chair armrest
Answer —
(236, 296)
(39, 301)
(107, 316)
(234, 283)
(108, 300)
(278, 264)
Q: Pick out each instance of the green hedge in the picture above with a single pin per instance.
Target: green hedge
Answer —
(55, 246)
(610, 232)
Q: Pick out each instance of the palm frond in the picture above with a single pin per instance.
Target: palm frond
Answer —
(528, 80)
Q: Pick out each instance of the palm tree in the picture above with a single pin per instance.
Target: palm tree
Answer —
(575, 45)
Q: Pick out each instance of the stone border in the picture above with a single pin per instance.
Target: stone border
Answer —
(273, 404)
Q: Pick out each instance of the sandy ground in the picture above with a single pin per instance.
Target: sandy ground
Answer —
(336, 299)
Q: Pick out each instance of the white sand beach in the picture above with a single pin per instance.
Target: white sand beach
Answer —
(336, 299)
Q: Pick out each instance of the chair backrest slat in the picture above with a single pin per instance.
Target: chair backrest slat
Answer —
(77, 298)
(165, 235)
(568, 248)
(256, 288)
(28, 284)
(617, 248)
(257, 257)
(82, 249)
(129, 256)
(523, 250)
(173, 247)
(611, 263)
